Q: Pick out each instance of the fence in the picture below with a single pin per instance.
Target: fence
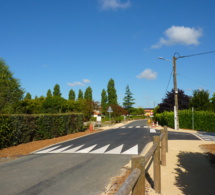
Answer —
(136, 180)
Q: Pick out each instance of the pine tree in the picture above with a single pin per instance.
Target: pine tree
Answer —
(112, 96)
(88, 94)
(11, 92)
(71, 94)
(128, 100)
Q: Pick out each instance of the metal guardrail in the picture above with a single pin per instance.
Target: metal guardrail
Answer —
(136, 180)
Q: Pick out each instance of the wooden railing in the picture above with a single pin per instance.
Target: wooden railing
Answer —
(136, 180)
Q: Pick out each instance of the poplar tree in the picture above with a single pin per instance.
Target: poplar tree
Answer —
(57, 92)
(80, 94)
(88, 94)
(104, 101)
(112, 96)
(49, 93)
(71, 94)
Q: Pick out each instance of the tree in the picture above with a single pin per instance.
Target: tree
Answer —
(57, 92)
(104, 101)
(80, 94)
(27, 96)
(168, 102)
(11, 92)
(49, 93)
(71, 94)
(200, 100)
(112, 96)
(88, 94)
(128, 100)
(213, 102)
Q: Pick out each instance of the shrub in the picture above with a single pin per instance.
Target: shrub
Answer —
(17, 129)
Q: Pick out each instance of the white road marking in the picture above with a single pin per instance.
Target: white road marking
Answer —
(130, 127)
(116, 150)
(86, 150)
(152, 131)
(60, 149)
(146, 126)
(101, 150)
(137, 126)
(133, 150)
(47, 150)
(73, 150)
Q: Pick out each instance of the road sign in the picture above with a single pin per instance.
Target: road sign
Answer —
(109, 109)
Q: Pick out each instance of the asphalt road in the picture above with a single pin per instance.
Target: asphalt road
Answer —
(81, 166)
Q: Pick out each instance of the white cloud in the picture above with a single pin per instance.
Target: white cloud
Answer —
(75, 84)
(180, 35)
(114, 4)
(79, 83)
(147, 74)
(86, 81)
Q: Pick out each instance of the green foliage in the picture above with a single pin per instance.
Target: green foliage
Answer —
(112, 96)
(71, 94)
(203, 120)
(49, 93)
(88, 94)
(80, 94)
(128, 100)
(104, 101)
(56, 91)
(28, 96)
(17, 129)
(137, 111)
(200, 100)
(11, 92)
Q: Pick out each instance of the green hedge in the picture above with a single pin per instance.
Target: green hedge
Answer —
(203, 120)
(17, 129)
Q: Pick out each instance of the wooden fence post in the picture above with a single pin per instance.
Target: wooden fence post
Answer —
(157, 169)
(139, 188)
(166, 137)
(163, 148)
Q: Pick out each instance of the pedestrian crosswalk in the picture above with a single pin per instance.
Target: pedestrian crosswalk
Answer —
(129, 127)
(206, 136)
(90, 149)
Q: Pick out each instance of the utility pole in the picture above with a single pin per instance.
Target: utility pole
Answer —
(176, 118)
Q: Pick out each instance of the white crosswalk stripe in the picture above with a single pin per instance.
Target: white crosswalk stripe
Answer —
(116, 150)
(133, 150)
(102, 150)
(152, 131)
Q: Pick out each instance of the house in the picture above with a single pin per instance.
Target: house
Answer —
(148, 111)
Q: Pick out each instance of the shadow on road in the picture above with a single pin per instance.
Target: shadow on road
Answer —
(195, 174)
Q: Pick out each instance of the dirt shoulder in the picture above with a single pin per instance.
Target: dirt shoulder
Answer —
(190, 167)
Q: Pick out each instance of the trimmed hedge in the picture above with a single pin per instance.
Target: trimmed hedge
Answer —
(17, 129)
(203, 120)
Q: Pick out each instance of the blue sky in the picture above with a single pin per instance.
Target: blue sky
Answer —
(81, 43)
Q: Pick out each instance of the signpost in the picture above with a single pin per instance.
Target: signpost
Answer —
(109, 110)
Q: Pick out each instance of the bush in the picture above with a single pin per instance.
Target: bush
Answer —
(203, 120)
(17, 129)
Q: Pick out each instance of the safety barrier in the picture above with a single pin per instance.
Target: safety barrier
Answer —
(136, 180)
